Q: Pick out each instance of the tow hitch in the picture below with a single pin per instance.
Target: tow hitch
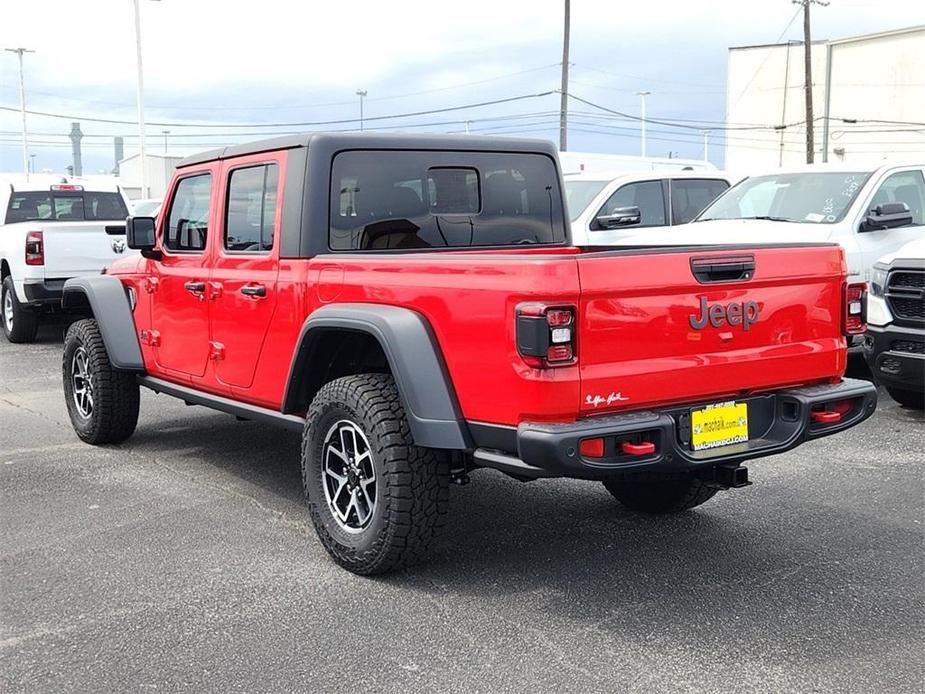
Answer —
(727, 476)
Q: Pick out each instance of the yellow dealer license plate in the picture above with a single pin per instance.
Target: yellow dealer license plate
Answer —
(720, 424)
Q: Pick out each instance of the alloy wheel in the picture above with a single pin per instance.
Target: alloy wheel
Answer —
(81, 382)
(348, 476)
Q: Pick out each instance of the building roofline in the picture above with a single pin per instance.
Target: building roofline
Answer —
(848, 39)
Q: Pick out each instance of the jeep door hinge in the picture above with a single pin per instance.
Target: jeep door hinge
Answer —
(150, 284)
(152, 338)
(215, 290)
(217, 350)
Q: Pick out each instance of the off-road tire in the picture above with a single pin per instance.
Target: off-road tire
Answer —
(661, 495)
(914, 400)
(412, 483)
(25, 319)
(114, 412)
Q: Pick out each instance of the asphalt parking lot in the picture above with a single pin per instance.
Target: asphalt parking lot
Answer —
(184, 559)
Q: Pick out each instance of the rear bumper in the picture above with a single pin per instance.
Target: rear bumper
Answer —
(887, 351)
(778, 422)
(42, 291)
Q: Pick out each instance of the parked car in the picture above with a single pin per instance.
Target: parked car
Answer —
(895, 342)
(413, 306)
(868, 210)
(53, 228)
(606, 208)
(147, 207)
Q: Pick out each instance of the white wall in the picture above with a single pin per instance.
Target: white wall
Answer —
(881, 77)
(159, 172)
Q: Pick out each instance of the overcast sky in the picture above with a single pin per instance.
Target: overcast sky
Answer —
(237, 63)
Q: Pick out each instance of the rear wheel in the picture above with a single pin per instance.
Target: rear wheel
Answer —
(908, 398)
(20, 323)
(377, 501)
(102, 401)
(661, 496)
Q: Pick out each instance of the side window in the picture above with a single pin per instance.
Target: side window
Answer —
(250, 211)
(689, 197)
(646, 195)
(907, 187)
(188, 224)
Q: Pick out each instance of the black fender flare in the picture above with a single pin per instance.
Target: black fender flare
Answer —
(414, 357)
(113, 313)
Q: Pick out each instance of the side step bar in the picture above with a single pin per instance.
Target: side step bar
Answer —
(217, 402)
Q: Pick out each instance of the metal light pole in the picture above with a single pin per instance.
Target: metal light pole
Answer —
(642, 119)
(140, 100)
(361, 93)
(706, 145)
(22, 108)
(165, 133)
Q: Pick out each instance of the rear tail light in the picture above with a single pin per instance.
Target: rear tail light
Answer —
(854, 321)
(546, 334)
(591, 448)
(35, 248)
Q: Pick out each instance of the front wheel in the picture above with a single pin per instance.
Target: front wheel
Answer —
(20, 323)
(661, 496)
(102, 401)
(912, 399)
(377, 500)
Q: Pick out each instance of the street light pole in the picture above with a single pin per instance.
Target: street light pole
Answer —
(706, 145)
(361, 93)
(140, 100)
(166, 133)
(22, 108)
(642, 119)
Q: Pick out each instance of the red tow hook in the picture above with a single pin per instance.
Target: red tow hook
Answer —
(644, 448)
(822, 417)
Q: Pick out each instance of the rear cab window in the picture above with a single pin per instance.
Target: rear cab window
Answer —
(251, 209)
(32, 206)
(385, 200)
(690, 196)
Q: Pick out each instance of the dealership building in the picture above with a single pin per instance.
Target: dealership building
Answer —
(868, 101)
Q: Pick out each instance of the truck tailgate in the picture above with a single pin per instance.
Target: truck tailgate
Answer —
(81, 248)
(651, 332)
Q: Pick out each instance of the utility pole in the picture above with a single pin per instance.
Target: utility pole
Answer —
(706, 145)
(361, 93)
(165, 133)
(22, 108)
(808, 74)
(642, 119)
(563, 91)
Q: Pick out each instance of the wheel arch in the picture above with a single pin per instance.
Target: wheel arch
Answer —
(104, 298)
(410, 353)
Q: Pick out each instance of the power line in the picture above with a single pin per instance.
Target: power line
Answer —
(342, 121)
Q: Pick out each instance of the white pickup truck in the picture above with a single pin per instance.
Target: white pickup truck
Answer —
(870, 210)
(53, 228)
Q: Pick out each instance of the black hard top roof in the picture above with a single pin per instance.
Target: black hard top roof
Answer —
(375, 141)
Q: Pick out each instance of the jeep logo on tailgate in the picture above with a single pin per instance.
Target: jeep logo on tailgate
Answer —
(743, 314)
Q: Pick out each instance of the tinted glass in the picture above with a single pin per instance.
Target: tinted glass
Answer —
(646, 195)
(35, 205)
(392, 200)
(251, 208)
(812, 197)
(907, 187)
(579, 194)
(689, 196)
(188, 225)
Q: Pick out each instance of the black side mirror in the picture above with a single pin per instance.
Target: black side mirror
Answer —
(889, 215)
(620, 217)
(140, 235)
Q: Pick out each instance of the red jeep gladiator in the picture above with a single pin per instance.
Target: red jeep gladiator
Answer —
(412, 304)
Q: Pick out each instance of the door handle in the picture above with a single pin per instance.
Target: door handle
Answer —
(195, 287)
(257, 290)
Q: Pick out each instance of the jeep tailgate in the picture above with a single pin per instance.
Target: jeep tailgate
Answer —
(643, 338)
(80, 248)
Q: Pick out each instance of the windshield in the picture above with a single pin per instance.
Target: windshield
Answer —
(579, 194)
(29, 206)
(811, 197)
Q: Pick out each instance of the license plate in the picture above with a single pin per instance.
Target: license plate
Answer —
(720, 424)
